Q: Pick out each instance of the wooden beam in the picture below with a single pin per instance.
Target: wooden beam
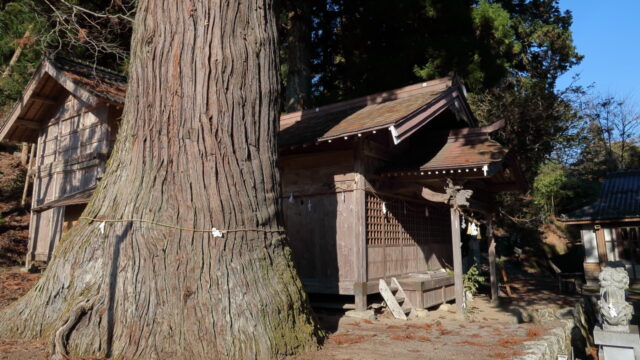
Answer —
(457, 259)
(28, 123)
(43, 99)
(454, 196)
(597, 221)
(77, 90)
(434, 196)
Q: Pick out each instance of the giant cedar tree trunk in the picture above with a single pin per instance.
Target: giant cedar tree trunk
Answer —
(196, 149)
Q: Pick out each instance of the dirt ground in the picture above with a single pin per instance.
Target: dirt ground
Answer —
(14, 219)
(14, 283)
(488, 332)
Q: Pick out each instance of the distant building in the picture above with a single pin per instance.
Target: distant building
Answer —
(610, 227)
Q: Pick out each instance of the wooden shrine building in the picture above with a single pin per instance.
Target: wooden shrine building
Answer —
(356, 177)
(372, 187)
(69, 112)
(610, 227)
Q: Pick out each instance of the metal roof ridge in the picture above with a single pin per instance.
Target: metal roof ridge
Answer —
(623, 173)
(373, 99)
(55, 61)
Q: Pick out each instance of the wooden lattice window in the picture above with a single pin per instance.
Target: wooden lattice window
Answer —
(404, 222)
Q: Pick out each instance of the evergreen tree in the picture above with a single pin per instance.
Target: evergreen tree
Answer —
(20, 27)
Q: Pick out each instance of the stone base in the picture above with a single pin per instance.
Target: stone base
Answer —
(618, 345)
(616, 329)
(367, 314)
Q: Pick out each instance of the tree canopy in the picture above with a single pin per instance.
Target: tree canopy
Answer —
(510, 54)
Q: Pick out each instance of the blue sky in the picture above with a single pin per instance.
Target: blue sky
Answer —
(607, 33)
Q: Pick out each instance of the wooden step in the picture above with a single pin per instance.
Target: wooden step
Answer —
(391, 301)
(394, 298)
(407, 306)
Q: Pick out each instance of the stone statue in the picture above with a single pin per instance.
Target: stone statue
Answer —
(615, 311)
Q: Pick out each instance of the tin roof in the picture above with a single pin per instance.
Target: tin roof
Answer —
(101, 82)
(54, 77)
(619, 199)
(404, 109)
(467, 149)
(467, 153)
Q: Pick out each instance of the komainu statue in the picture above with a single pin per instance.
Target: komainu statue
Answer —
(615, 311)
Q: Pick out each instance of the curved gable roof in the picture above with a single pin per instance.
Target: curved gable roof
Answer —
(53, 78)
(403, 111)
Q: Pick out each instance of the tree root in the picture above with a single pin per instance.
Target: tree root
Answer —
(58, 346)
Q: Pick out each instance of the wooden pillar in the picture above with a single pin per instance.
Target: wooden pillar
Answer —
(360, 292)
(602, 249)
(29, 176)
(457, 259)
(360, 225)
(492, 263)
(24, 154)
(419, 302)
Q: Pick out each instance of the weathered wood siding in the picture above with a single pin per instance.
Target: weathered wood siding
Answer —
(70, 157)
(318, 193)
(338, 232)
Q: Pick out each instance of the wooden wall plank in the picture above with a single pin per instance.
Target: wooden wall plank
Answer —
(318, 204)
(76, 130)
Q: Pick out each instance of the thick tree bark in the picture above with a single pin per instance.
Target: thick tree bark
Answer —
(298, 50)
(196, 149)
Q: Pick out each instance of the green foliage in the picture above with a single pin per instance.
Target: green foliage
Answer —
(103, 40)
(627, 155)
(538, 121)
(472, 279)
(489, 49)
(16, 18)
(551, 186)
(364, 46)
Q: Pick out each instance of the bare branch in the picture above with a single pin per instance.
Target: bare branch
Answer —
(100, 32)
(99, 15)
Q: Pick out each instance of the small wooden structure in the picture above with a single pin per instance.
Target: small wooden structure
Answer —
(70, 112)
(610, 227)
(354, 177)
